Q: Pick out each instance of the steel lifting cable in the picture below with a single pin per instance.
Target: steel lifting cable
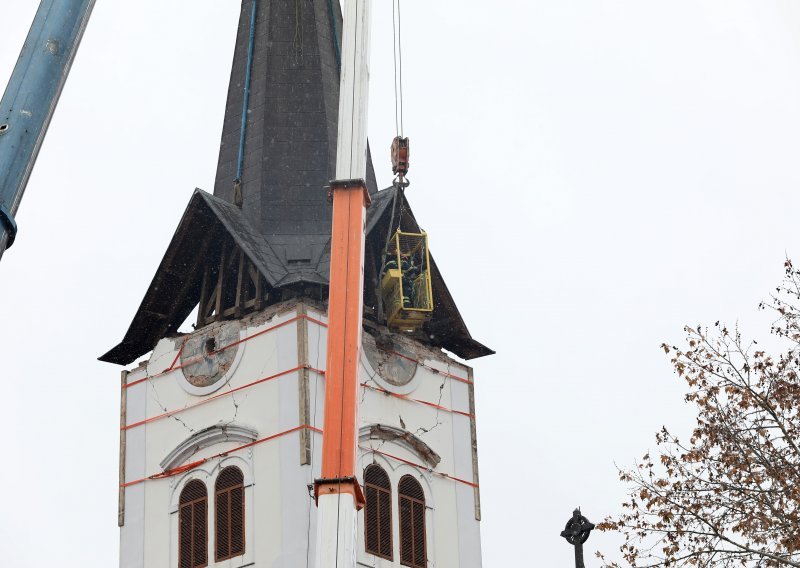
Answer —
(432, 369)
(394, 47)
(199, 358)
(197, 463)
(398, 67)
(175, 367)
(313, 369)
(418, 466)
(416, 400)
(169, 413)
(278, 375)
(398, 115)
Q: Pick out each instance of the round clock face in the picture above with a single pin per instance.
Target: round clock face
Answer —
(209, 353)
(393, 362)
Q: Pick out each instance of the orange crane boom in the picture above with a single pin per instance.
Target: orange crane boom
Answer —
(338, 492)
(345, 306)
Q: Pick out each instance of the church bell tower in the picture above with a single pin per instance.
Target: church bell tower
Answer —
(221, 428)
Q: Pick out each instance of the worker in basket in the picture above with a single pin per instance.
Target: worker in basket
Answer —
(391, 263)
(410, 270)
(406, 288)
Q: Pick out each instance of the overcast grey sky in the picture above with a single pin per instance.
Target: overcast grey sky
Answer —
(593, 174)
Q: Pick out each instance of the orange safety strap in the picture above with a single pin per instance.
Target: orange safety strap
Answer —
(425, 402)
(180, 352)
(432, 369)
(189, 466)
(174, 367)
(224, 394)
(278, 375)
(263, 331)
(422, 467)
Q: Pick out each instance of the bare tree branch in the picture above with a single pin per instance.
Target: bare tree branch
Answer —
(731, 495)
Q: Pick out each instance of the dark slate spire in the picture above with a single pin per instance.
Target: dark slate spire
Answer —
(284, 225)
(290, 143)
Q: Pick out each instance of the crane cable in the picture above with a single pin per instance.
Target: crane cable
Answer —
(398, 67)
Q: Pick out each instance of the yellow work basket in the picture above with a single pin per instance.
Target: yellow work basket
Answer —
(406, 281)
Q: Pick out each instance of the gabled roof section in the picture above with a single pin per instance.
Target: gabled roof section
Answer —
(255, 246)
(175, 289)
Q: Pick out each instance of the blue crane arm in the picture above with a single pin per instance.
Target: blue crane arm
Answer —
(31, 97)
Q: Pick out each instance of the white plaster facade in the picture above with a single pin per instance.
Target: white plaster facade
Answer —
(250, 418)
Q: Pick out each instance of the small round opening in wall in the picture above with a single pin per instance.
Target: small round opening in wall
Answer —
(208, 355)
(3, 128)
(391, 360)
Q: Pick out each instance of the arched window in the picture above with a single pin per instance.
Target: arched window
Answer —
(413, 549)
(229, 507)
(378, 512)
(193, 519)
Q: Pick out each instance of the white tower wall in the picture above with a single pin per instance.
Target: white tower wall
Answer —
(264, 415)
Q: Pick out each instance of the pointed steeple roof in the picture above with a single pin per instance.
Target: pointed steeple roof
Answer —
(289, 152)
(284, 223)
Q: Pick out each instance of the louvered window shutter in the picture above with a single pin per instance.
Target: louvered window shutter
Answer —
(193, 526)
(378, 512)
(229, 506)
(413, 545)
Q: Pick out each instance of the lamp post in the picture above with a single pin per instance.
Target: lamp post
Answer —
(577, 532)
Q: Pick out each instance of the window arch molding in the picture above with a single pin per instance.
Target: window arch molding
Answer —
(205, 438)
(402, 438)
